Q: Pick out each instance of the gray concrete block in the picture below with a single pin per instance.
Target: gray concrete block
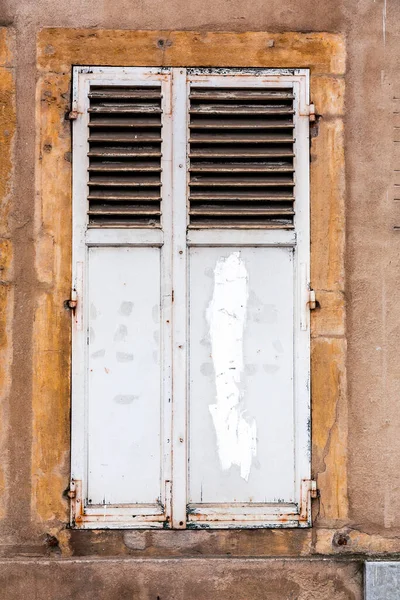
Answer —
(382, 580)
(180, 579)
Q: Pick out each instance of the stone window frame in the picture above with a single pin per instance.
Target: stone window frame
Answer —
(58, 50)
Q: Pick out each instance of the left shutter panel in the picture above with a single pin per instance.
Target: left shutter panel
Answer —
(125, 124)
(120, 385)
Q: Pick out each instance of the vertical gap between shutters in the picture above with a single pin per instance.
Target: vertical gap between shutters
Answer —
(241, 151)
(125, 124)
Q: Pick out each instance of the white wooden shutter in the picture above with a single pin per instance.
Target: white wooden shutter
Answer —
(197, 265)
(121, 379)
(248, 255)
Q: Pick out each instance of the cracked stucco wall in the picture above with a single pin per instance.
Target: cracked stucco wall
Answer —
(58, 49)
(355, 360)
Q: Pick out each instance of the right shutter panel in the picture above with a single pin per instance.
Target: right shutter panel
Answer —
(241, 157)
(248, 274)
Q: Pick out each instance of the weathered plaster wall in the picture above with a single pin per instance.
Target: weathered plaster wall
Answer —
(60, 48)
(365, 512)
(183, 579)
(7, 171)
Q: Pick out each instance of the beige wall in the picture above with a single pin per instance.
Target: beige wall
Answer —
(365, 510)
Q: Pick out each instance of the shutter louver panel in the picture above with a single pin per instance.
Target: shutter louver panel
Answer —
(241, 151)
(125, 156)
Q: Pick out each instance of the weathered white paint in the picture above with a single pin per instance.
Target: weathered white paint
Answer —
(124, 365)
(236, 431)
(241, 375)
(180, 346)
(121, 369)
(273, 385)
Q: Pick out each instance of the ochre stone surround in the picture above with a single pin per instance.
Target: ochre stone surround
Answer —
(324, 55)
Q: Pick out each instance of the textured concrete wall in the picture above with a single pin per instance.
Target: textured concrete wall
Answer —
(184, 579)
(368, 521)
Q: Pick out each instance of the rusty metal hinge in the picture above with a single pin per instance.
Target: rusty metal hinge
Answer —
(309, 112)
(312, 302)
(73, 300)
(75, 495)
(309, 491)
(72, 115)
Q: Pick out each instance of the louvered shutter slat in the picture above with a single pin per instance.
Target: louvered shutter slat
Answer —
(221, 137)
(128, 93)
(239, 110)
(232, 124)
(125, 125)
(241, 151)
(125, 152)
(121, 136)
(240, 167)
(241, 94)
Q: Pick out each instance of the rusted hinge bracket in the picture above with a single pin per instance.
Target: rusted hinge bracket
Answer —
(308, 492)
(73, 300)
(75, 495)
(309, 112)
(312, 302)
(72, 115)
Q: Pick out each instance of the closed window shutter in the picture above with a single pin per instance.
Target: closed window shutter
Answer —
(190, 399)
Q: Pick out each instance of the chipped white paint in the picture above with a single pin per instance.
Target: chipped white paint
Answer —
(275, 375)
(241, 375)
(183, 463)
(123, 421)
(236, 431)
(121, 373)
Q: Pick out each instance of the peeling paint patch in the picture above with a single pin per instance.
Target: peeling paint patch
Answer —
(93, 311)
(125, 309)
(124, 357)
(226, 315)
(121, 334)
(269, 368)
(124, 399)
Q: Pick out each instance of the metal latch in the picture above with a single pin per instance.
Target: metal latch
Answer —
(72, 115)
(312, 302)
